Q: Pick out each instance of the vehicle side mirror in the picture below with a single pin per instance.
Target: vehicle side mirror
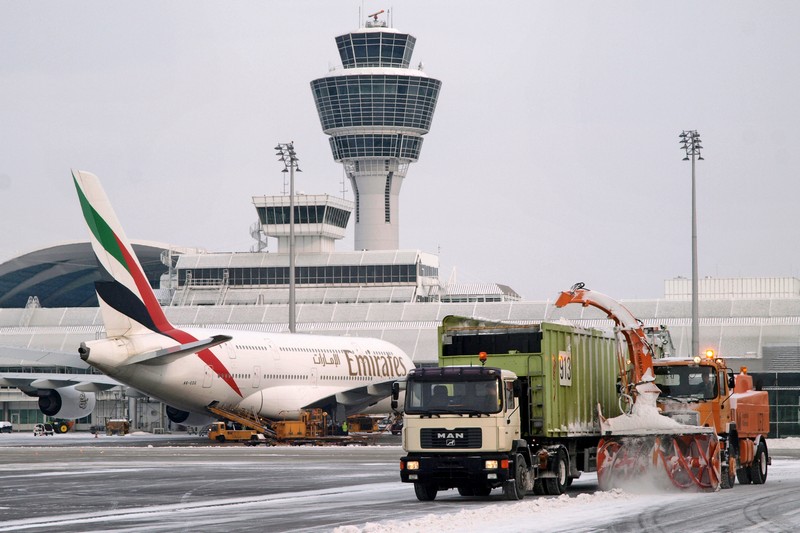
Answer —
(395, 395)
(731, 381)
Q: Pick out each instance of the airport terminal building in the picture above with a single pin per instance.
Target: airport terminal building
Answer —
(376, 109)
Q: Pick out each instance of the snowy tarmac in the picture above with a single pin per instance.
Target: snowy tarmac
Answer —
(75, 482)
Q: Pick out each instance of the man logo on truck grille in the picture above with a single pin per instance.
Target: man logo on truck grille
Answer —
(450, 438)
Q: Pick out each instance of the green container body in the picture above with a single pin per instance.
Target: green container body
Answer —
(569, 370)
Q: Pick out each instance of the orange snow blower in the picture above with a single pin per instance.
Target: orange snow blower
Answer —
(642, 446)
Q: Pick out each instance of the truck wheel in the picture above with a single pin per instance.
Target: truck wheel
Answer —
(728, 475)
(425, 492)
(558, 485)
(727, 472)
(514, 489)
(220, 438)
(743, 475)
(758, 470)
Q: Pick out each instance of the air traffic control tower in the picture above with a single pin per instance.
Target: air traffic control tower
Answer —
(376, 110)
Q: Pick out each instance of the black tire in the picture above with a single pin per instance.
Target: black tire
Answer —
(728, 477)
(743, 475)
(220, 438)
(727, 473)
(425, 492)
(758, 470)
(514, 489)
(558, 485)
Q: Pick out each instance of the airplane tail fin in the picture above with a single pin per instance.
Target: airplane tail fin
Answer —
(127, 303)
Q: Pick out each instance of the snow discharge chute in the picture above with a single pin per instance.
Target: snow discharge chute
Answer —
(643, 446)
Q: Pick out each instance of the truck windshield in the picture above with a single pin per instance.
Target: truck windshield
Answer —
(691, 382)
(449, 396)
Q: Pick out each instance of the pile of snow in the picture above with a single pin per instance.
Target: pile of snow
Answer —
(786, 443)
(531, 514)
(645, 418)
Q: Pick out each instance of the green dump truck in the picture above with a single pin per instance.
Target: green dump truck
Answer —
(509, 406)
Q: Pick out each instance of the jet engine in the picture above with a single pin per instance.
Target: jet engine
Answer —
(66, 402)
(186, 418)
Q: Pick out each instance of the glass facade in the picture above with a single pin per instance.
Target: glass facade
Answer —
(783, 389)
(376, 100)
(309, 275)
(304, 214)
(375, 49)
(376, 145)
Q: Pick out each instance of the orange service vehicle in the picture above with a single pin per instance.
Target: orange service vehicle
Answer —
(703, 391)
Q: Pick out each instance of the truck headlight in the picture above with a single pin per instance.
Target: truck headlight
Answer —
(412, 465)
(490, 464)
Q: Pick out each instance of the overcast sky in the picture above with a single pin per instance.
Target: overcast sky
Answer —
(553, 156)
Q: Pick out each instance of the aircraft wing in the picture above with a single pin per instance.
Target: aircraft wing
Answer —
(48, 370)
(16, 356)
(30, 382)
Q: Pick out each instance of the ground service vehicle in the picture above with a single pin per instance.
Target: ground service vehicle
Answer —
(221, 433)
(43, 429)
(118, 426)
(562, 400)
(642, 445)
(703, 391)
(527, 420)
(61, 425)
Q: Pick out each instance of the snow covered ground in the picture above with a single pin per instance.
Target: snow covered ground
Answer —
(171, 483)
(584, 512)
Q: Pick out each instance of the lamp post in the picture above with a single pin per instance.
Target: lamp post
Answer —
(690, 143)
(286, 154)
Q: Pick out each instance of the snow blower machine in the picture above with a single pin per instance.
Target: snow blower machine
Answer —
(642, 446)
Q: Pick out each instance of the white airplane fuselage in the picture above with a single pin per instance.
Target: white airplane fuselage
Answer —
(275, 375)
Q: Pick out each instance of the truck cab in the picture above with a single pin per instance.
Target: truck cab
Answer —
(694, 393)
(462, 430)
(703, 391)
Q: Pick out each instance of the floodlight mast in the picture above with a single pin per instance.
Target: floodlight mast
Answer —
(690, 143)
(287, 155)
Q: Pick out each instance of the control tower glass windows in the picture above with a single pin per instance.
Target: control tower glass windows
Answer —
(376, 100)
(375, 49)
(387, 198)
(304, 214)
(337, 217)
(306, 275)
(376, 145)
